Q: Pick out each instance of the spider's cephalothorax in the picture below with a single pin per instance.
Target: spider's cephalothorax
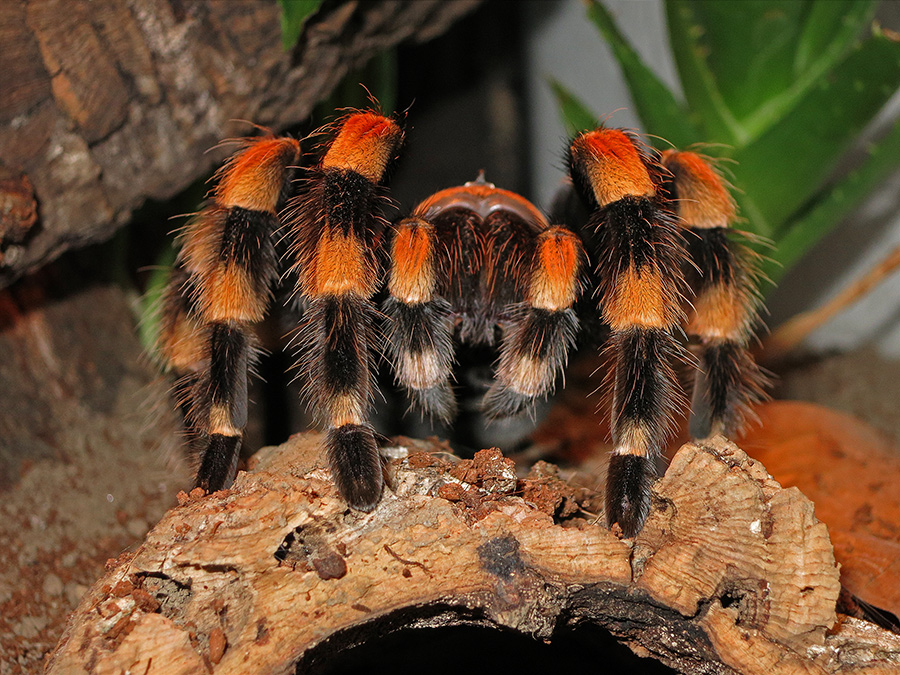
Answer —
(473, 264)
(468, 261)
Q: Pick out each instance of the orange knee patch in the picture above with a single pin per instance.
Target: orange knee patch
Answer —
(640, 300)
(220, 422)
(632, 439)
(554, 280)
(528, 376)
(253, 178)
(412, 267)
(703, 200)
(613, 165)
(345, 409)
(420, 370)
(721, 313)
(340, 266)
(182, 343)
(365, 143)
(227, 293)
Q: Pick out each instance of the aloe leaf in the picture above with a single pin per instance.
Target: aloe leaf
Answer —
(149, 323)
(826, 37)
(782, 168)
(704, 99)
(753, 43)
(829, 30)
(839, 201)
(577, 117)
(661, 114)
(294, 14)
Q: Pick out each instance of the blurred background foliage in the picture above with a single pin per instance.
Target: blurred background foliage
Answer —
(783, 91)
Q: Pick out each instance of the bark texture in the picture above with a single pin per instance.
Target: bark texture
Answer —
(732, 573)
(110, 102)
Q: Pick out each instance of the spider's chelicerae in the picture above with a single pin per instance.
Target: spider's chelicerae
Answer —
(653, 255)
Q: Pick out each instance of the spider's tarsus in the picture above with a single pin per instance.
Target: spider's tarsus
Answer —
(501, 402)
(355, 465)
(628, 482)
(438, 402)
(219, 464)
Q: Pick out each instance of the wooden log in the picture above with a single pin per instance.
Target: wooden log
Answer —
(732, 574)
(107, 103)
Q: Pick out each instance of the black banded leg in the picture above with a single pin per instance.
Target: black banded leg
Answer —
(639, 255)
(336, 352)
(645, 399)
(724, 307)
(219, 288)
(541, 330)
(226, 391)
(420, 345)
(419, 322)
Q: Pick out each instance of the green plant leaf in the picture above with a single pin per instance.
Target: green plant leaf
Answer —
(828, 32)
(763, 73)
(577, 117)
(835, 205)
(768, 53)
(149, 311)
(754, 45)
(787, 164)
(704, 99)
(294, 14)
(661, 114)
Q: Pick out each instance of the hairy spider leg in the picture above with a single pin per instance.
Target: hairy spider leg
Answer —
(419, 321)
(183, 348)
(725, 302)
(219, 288)
(541, 329)
(334, 227)
(637, 249)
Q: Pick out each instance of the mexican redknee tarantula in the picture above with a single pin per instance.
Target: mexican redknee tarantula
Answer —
(468, 261)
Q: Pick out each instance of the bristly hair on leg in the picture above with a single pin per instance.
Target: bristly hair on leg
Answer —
(333, 229)
(725, 299)
(638, 254)
(220, 288)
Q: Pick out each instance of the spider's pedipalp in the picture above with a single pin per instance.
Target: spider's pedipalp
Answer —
(637, 250)
(724, 304)
(333, 228)
(420, 327)
(540, 330)
(219, 288)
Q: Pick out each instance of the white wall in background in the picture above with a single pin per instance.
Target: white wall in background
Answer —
(562, 43)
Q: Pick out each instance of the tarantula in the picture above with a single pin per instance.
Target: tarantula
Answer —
(470, 262)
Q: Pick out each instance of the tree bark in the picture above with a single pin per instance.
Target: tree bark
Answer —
(110, 102)
(731, 574)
